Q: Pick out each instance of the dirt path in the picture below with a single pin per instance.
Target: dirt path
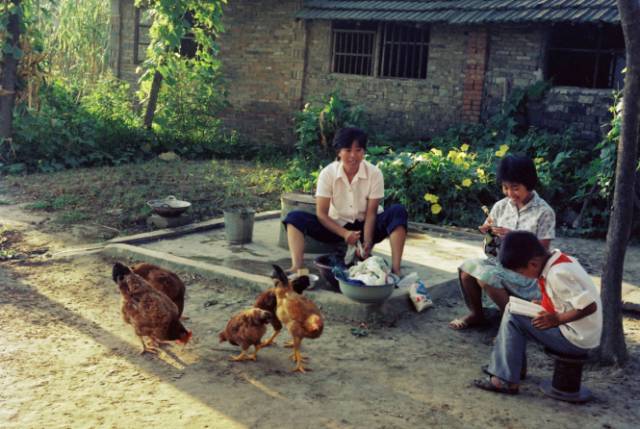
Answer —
(68, 360)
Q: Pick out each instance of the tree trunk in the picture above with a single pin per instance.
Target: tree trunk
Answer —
(153, 100)
(9, 77)
(613, 349)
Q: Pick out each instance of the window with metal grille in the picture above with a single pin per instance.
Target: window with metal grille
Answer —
(353, 47)
(141, 38)
(586, 56)
(405, 51)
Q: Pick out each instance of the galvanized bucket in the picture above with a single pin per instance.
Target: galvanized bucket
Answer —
(238, 225)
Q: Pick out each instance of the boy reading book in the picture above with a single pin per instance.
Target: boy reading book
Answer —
(570, 321)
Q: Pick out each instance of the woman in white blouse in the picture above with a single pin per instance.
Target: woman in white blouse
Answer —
(348, 195)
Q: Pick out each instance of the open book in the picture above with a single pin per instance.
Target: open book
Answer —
(524, 308)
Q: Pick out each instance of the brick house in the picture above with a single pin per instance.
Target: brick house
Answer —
(416, 66)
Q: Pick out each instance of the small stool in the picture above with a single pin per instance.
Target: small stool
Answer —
(567, 377)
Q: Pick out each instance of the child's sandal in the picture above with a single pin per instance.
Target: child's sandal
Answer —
(487, 384)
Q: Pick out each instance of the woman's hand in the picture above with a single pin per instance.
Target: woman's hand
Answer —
(545, 320)
(352, 237)
(366, 251)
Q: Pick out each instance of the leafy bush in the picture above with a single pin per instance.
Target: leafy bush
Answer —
(72, 130)
(187, 117)
(448, 178)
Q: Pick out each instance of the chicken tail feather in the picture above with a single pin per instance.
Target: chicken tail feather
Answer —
(279, 274)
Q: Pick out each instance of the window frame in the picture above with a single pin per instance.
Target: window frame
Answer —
(136, 35)
(598, 51)
(380, 48)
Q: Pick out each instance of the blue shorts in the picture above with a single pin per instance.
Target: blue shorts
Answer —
(386, 223)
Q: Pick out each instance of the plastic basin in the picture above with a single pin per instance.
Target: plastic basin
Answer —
(365, 294)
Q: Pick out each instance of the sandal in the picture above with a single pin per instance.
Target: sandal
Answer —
(523, 371)
(487, 384)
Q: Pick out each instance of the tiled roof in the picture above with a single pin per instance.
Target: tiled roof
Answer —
(464, 11)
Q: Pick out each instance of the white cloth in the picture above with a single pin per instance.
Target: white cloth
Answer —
(570, 288)
(536, 217)
(349, 200)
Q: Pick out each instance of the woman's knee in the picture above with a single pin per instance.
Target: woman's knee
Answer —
(296, 219)
(398, 211)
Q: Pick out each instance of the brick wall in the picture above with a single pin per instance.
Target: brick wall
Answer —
(516, 60)
(121, 42)
(263, 58)
(474, 74)
(263, 55)
(406, 107)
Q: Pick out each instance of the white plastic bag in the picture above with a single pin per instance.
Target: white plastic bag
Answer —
(420, 296)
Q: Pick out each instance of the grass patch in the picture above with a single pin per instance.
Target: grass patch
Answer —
(5, 202)
(117, 196)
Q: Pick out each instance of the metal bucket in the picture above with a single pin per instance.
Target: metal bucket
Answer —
(238, 225)
(307, 203)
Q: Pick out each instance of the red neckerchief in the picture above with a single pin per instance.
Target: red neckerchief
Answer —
(546, 303)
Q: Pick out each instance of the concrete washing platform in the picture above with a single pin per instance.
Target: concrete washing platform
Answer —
(201, 248)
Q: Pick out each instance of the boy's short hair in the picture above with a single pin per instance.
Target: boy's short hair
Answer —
(345, 137)
(518, 169)
(518, 248)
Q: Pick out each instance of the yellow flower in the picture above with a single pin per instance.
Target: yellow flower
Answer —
(466, 183)
(538, 160)
(464, 147)
(437, 152)
(502, 151)
(480, 172)
(436, 208)
(431, 198)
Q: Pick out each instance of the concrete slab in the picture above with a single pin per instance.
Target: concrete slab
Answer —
(433, 255)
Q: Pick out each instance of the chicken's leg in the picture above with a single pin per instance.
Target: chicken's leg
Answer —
(256, 347)
(298, 356)
(243, 356)
(146, 349)
(270, 340)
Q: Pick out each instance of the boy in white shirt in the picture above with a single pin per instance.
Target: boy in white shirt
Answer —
(571, 322)
(348, 196)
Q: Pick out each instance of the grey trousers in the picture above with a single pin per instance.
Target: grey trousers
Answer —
(511, 345)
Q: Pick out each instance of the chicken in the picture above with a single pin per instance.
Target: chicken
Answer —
(164, 281)
(151, 313)
(246, 329)
(298, 313)
(267, 301)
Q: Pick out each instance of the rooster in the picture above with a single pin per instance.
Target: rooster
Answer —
(267, 301)
(298, 313)
(246, 329)
(164, 281)
(151, 313)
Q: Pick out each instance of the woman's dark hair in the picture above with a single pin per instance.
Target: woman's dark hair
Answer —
(518, 248)
(345, 137)
(518, 169)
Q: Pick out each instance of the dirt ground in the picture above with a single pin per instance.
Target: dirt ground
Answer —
(67, 360)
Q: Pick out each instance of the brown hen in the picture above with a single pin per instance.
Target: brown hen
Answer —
(151, 313)
(298, 313)
(267, 301)
(164, 281)
(246, 329)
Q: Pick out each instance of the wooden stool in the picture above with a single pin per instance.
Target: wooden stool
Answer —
(567, 378)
